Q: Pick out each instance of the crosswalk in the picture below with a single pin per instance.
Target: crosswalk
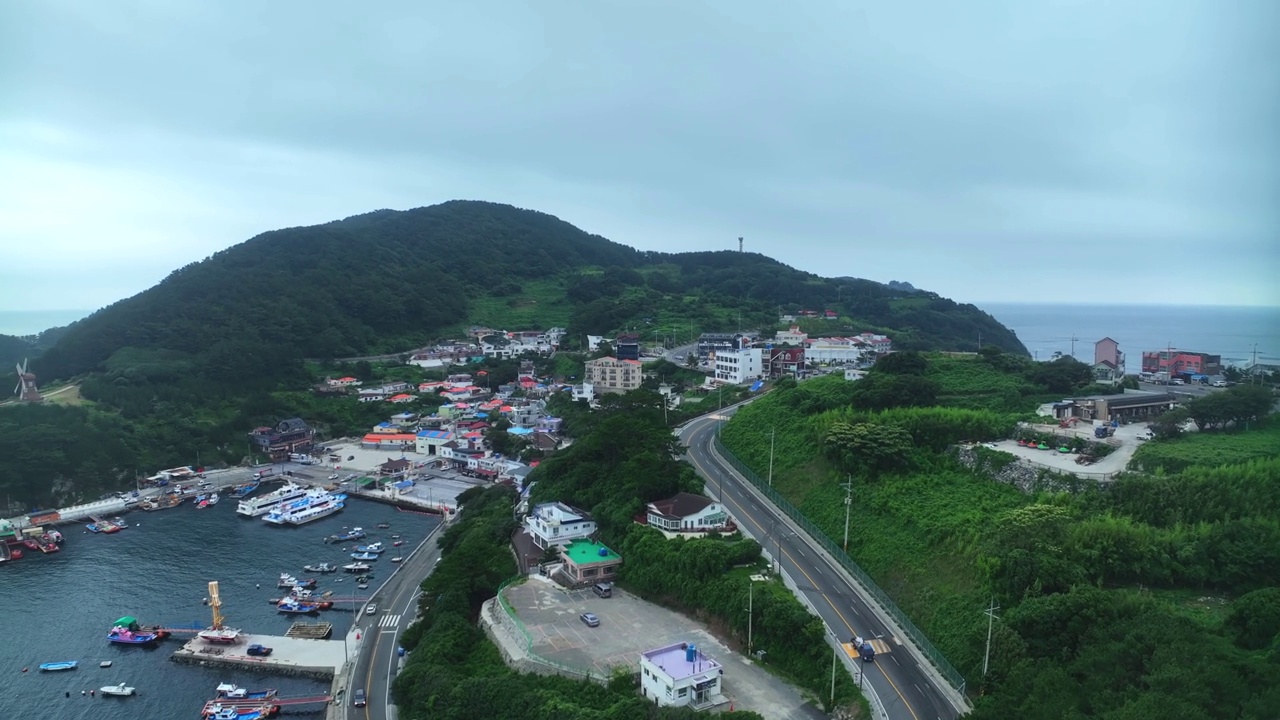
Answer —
(389, 621)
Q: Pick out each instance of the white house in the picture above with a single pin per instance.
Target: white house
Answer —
(879, 344)
(834, 350)
(558, 524)
(739, 366)
(343, 382)
(585, 391)
(373, 395)
(681, 674)
(685, 512)
(791, 337)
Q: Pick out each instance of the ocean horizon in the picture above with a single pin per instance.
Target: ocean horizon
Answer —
(1235, 333)
(34, 322)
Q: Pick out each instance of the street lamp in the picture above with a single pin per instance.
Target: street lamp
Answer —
(772, 436)
(848, 504)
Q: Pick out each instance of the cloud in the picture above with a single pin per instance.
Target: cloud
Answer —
(979, 150)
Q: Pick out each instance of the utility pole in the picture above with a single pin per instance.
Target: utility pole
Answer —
(1073, 345)
(979, 341)
(834, 659)
(991, 620)
(848, 504)
(772, 435)
(751, 614)
(1253, 369)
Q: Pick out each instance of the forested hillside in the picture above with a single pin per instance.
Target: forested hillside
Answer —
(1154, 596)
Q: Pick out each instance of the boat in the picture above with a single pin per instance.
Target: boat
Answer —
(233, 691)
(397, 543)
(298, 606)
(219, 635)
(213, 499)
(245, 489)
(201, 498)
(120, 690)
(321, 568)
(55, 536)
(65, 665)
(288, 581)
(127, 631)
(363, 556)
(104, 664)
(356, 567)
(315, 505)
(264, 504)
(371, 548)
(362, 586)
(383, 526)
(396, 559)
(162, 502)
(218, 711)
(353, 534)
(102, 526)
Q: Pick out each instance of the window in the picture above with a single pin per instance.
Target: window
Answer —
(683, 692)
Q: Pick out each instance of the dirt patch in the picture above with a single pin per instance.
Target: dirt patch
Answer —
(69, 396)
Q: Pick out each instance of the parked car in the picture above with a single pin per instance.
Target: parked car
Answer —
(590, 619)
(357, 698)
(1219, 383)
(259, 650)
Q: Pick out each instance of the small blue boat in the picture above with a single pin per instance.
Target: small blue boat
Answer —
(65, 665)
(245, 490)
(364, 556)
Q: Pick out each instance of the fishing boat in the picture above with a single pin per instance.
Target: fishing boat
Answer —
(213, 499)
(321, 568)
(265, 504)
(396, 559)
(218, 711)
(127, 631)
(356, 567)
(53, 666)
(102, 526)
(104, 664)
(120, 690)
(397, 543)
(364, 556)
(383, 526)
(371, 548)
(245, 489)
(362, 586)
(217, 633)
(233, 691)
(298, 606)
(353, 534)
(201, 498)
(288, 581)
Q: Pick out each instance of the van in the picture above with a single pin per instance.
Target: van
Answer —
(357, 699)
(603, 590)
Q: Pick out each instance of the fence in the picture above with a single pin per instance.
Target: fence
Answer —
(918, 638)
(507, 618)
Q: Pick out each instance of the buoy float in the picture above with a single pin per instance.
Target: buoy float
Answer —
(24, 669)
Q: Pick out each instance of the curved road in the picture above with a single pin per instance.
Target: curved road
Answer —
(377, 660)
(907, 690)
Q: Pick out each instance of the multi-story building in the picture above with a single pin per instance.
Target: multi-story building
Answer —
(587, 562)
(780, 361)
(1108, 361)
(613, 375)
(709, 343)
(558, 524)
(681, 674)
(739, 366)
(1181, 362)
(288, 436)
(793, 336)
(627, 347)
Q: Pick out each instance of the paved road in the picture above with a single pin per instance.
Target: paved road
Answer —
(378, 660)
(906, 689)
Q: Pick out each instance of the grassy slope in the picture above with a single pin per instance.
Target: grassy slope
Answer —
(1209, 449)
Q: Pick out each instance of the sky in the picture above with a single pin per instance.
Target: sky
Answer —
(1092, 152)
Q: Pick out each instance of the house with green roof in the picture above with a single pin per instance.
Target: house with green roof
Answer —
(587, 561)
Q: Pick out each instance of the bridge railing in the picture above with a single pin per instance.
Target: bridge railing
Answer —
(921, 641)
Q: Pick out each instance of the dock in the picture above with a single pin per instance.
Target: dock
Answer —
(301, 657)
(310, 631)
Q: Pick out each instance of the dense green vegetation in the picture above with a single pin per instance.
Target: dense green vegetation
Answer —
(1101, 591)
(221, 345)
(1209, 449)
(453, 672)
(624, 458)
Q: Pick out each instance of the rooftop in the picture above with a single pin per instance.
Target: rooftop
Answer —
(585, 552)
(680, 505)
(672, 660)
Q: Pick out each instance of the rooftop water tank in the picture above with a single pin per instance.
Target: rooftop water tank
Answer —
(691, 653)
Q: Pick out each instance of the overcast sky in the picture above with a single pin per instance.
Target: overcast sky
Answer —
(1021, 151)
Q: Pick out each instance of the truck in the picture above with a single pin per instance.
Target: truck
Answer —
(1104, 431)
(264, 473)
(864, 648)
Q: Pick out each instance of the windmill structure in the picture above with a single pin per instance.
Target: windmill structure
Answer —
(26, 389)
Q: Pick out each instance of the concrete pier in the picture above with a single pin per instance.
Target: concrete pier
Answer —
(319, 659)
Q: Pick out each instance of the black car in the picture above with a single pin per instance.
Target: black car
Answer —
(357, 699)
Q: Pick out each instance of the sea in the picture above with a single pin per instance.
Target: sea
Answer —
(1232, 332)
(34, 322)
(60, 606)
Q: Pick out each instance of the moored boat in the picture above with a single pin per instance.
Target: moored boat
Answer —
(371, 548)
(64, 665)
(245, 489)
(265, 504)
(288, 581)
(233, 691)
(221, 636)
(356, 567)
(321, 568)
(298, 606)
(396, 559)
(120, 690)
(363, 556)
(354, 533)
(127, 631)
(104, 664)
(213, 499)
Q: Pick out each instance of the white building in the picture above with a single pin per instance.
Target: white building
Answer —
(558, 524)
(585, 391)
(854, 374)
(739, 366)
(681, 675)
(834, 350)
(373, 395)
(684, 512)
(879, 344)
(791, 337)
(611, 375)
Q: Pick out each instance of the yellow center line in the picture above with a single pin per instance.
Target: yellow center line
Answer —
(836, 609)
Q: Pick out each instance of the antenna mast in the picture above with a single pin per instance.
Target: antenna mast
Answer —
(739, 244)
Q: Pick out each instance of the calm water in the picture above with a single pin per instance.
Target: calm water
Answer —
(1227, 331)
(60, 607)
(33, 322)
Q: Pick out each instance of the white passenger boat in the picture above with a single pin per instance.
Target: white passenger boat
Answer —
(120, 690)
(263, 504)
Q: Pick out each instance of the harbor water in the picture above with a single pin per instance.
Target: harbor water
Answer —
(59, 607)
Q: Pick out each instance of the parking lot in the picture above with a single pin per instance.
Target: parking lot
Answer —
(629, 626)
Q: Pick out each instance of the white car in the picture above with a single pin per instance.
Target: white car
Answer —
(371, 610)
(1219, 383)
(333, 476)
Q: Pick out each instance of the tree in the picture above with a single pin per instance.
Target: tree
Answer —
(870, 447)
(1169, 425)
(902, 363)
(1255, 618)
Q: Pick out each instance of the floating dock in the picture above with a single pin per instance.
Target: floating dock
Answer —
(320, 659)
(310, 631)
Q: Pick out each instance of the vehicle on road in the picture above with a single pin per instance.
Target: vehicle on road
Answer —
(357, 698)
(371, 610)
(591, 619)
(259, 650)
(1219, 383)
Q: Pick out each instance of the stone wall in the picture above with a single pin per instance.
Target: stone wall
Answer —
(1012, 470)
